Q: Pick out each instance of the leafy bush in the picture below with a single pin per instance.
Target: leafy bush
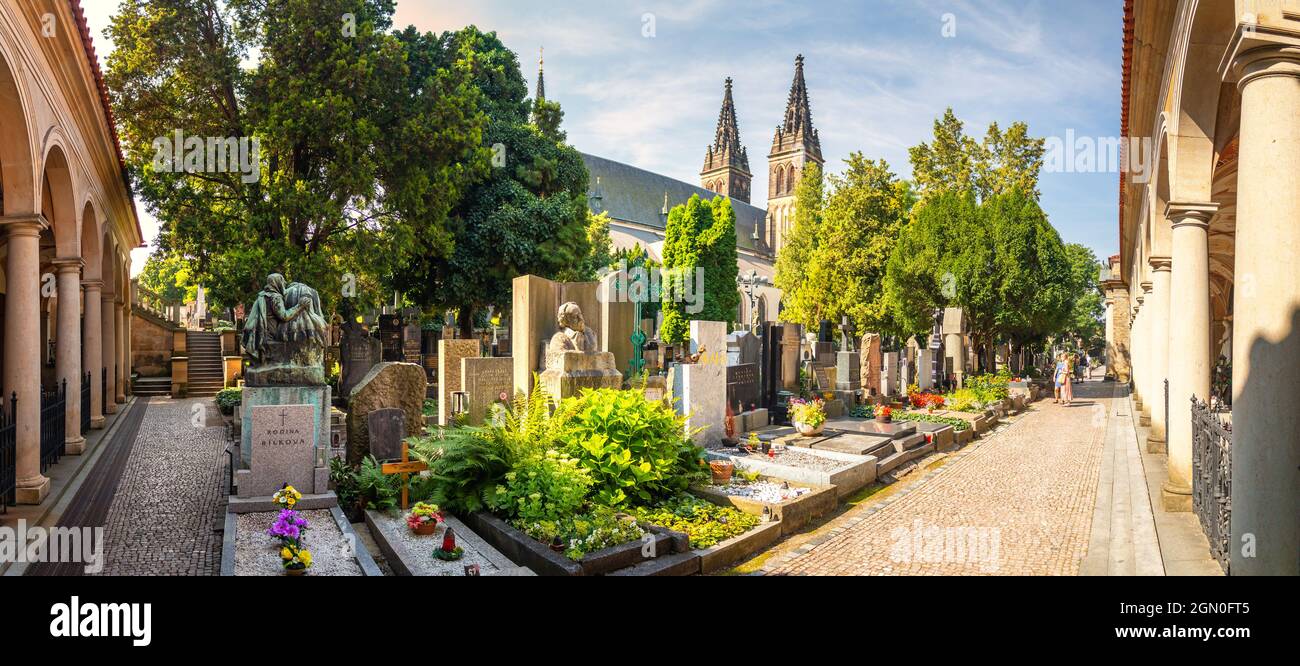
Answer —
(990, 387)
(228, 398)
(863, 412)
(364, 487)
(585, 533)
(956, 423)
(965, 400)
(636, 449)
(707, 524)
(546, 486)
(811, 413)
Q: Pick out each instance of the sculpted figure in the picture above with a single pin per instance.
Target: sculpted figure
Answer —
(286, 332)
(573, 334)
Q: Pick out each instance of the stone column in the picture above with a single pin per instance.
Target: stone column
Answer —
(1145, 380)
(1137, 346)
(953, 348)
(120, 337)
(1158, 348)
(108, 321)
(1189, 342)
(67, 360)
(92, 350)
(22, 351)
(1266, 321)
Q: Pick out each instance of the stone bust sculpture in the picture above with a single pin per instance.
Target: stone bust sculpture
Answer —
(573, 334)
(285, 335)
(573, 359)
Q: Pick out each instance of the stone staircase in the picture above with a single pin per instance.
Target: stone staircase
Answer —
(900, 450)
(206, 371)
(152, 386)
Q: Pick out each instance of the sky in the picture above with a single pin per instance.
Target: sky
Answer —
(641, 82)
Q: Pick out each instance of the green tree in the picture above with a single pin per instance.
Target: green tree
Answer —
(599, 255)
(700, 237)
(359, 149)
(800, 297)
(1086, 319)
(954, 161)
(529, 214)
(169, 276)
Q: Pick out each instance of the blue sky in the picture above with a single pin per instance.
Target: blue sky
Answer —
(878, 71)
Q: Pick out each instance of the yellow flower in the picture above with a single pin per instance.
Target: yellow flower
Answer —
(286, 554)
(305, 556)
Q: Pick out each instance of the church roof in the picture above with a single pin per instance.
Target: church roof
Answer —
(643, 197)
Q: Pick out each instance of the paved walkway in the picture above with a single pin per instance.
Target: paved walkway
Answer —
(1018, 502)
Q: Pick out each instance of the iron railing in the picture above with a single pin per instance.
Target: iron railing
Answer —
(1212, 479)
(54, 416)
(85, 403)
(8, 453)
(103, 388)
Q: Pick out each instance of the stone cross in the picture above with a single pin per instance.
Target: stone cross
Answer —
(406, 468)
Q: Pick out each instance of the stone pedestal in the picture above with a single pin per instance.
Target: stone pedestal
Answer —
(701, 388)
(848, 371)
(574, 371)
(285, 438)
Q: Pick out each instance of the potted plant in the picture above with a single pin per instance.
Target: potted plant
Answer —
(884, 414)
(424, 518)
(289, 527)
(295, 560)
(286, 497)
(809, 417)
(721, 470)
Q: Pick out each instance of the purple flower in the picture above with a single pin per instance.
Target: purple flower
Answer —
(289, 524)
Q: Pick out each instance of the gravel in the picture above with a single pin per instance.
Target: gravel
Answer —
(794, 458)
(763, 491)
(416, 551)
(258, 554)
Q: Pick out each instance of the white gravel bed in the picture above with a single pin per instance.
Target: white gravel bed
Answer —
(417, 550)
(258, 554)
(763, 491)
(793, 458)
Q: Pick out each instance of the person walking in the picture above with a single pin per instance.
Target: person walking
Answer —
(1067, 386)
(1059, 376)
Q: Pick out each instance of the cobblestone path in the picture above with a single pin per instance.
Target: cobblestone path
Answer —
(1018, 502)
(163, 520)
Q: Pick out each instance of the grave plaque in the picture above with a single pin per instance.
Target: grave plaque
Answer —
(283, 449)
(450, 353)
(411, 334)
(387, 429)
(742, 387)
(791, 338)
(487, 381)
(390, 337)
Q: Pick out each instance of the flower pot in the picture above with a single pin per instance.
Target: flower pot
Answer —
(296, 572)
(885, 418)
(722, 470)
(807, 430)
(426, 528)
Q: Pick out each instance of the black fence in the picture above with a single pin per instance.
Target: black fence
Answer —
(54, 413)
(85, 404)
(1212, 479)
(8, 453)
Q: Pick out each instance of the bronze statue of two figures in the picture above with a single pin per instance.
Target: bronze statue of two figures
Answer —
(284, 336)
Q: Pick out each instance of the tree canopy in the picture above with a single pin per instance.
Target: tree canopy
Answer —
(954, 161)
(699, 235)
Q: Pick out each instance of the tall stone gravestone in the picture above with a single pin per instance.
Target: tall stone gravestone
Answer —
(486, 381)
(791, 339)
(411, 338)
(386, 386)
(871, 364)
(285, 445)
(535, 302)
(450, 353)
(358, 353)
(390, 337)
(848, 371)
(701, 387)
(387, 429)
(889, 374)
(772, 358)
(925, 369)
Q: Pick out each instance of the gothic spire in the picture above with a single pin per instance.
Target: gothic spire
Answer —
(541, 82)
(798, 125)
(726, 149)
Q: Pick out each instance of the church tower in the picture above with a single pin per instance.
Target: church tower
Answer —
(795, 145)
(726, 164)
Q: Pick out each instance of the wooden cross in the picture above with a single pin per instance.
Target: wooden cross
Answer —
(406, 468)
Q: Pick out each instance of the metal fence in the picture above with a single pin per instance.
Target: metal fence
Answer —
(1212, 479)
(8, 453)
(54, 417)
(85, 404)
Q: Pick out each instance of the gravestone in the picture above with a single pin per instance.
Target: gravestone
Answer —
(486, 381)
(284, 450)
(535, 301)
(825, 330)
(925, 369)
(450, 353)
(743, 387)
(743, 348)
(387, 429)
(390, 337)
(848, 371)
(411, 334)
(359, 352)
(701, 387)
(824, 354)
(889, 373)
(791, 338)
(772, 358)
(387, 385)
(871, 364)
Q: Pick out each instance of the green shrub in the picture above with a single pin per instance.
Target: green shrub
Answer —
(228, 398)
(364, 487)
(956, 423)
(546, 486)
(585, 533)
(636, 449)
(990, 388)
(706, 523)
(964, 400)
